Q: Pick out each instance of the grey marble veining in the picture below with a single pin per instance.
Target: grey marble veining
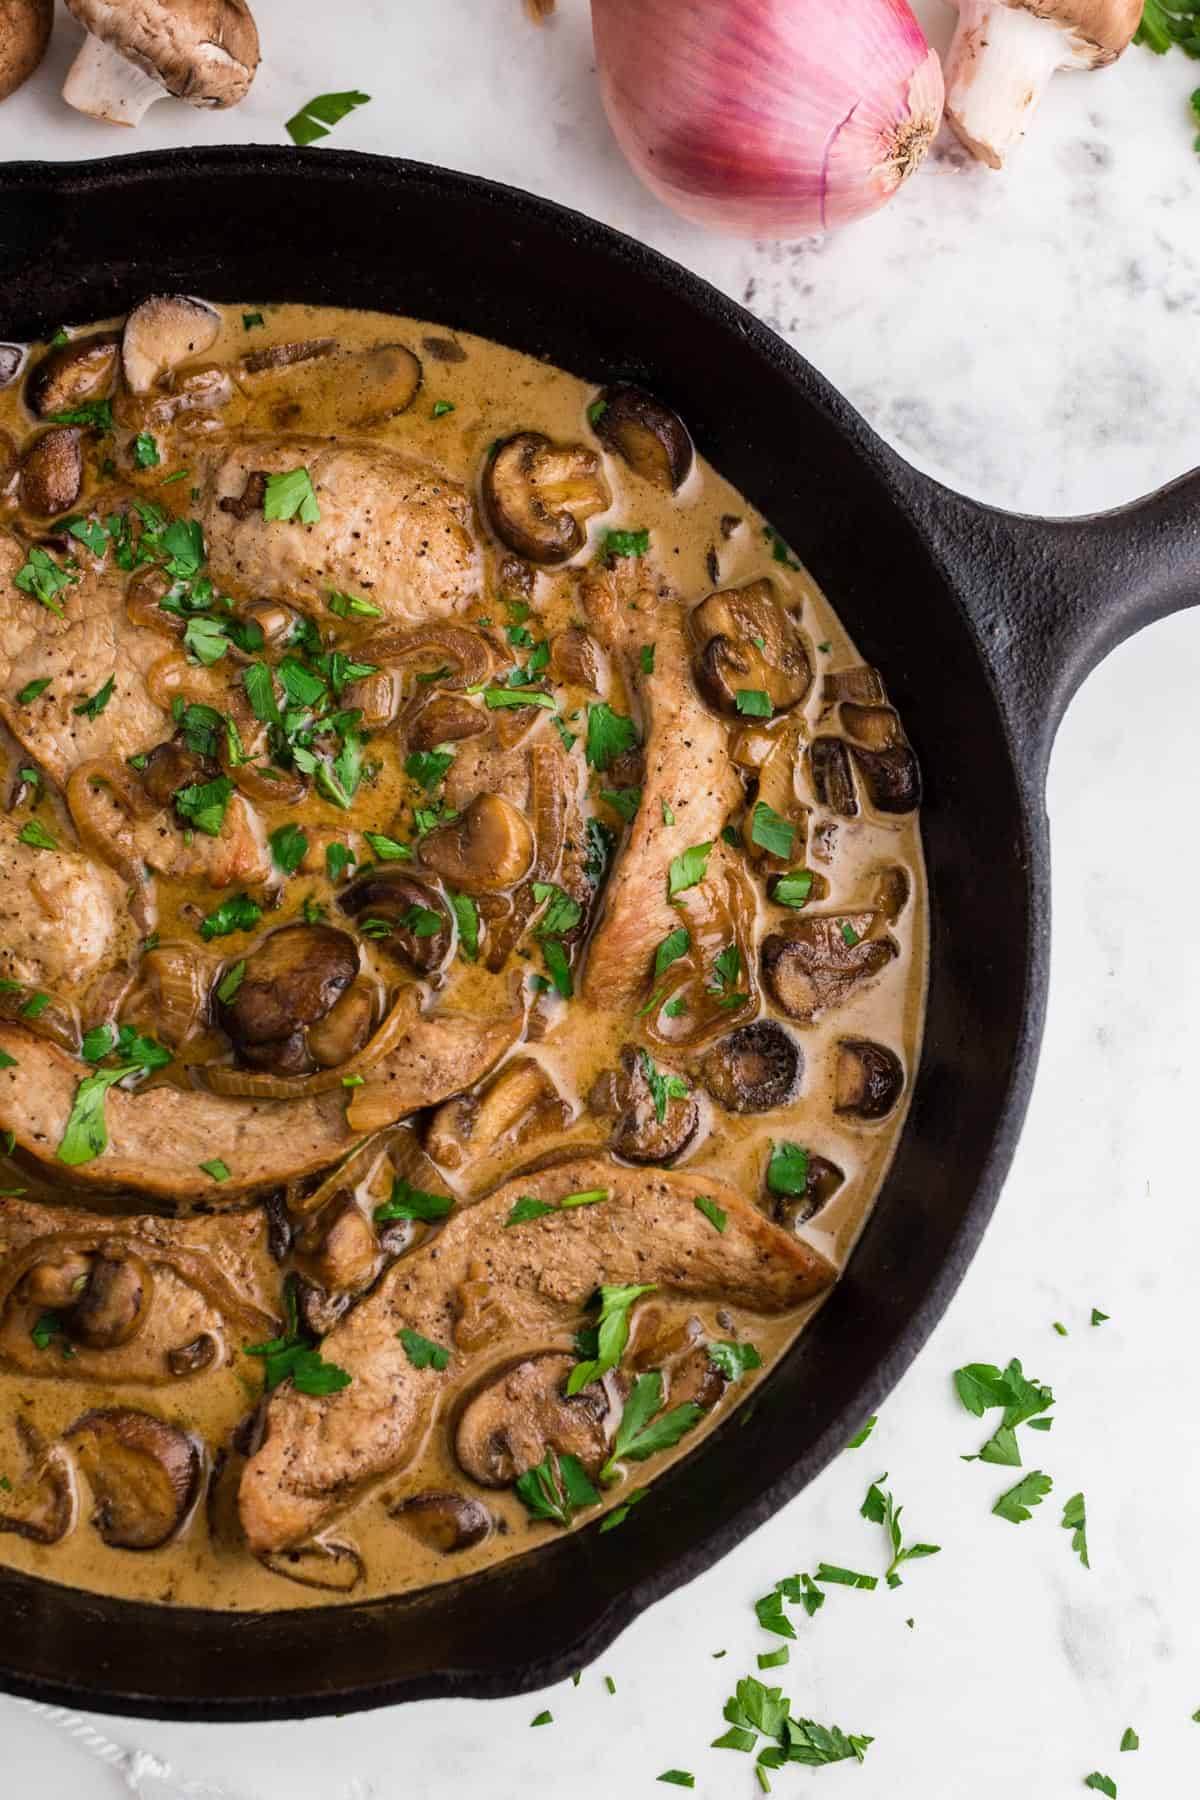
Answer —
(1029, 338)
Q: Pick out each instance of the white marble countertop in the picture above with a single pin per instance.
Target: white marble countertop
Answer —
(1031, 338)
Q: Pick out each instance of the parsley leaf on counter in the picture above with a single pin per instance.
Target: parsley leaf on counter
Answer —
(688, 869)
(1130, 1739)
(316, 116)
(556, 1489)
(677, 1778)
(422, 1352)
(611, 1331)
(1102, 1784)
(880, 1508)
(1098, 1317)
(290, 495)
(835, 1576)
(1030, 1491)
(755, 1709)
(609, 734)
(543, 1718)
(1075, 1521)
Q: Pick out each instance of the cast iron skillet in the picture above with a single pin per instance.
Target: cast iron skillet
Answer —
(983, 624)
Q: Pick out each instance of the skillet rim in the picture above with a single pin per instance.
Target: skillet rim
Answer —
(913, 496)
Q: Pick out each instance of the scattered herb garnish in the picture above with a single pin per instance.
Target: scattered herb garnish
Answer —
(1130, 1739)
(688, 869)
(609, 734)
(832, 1574)
(712, 1212)
(677, 1778)
(787, 1171)
(860, 1437)
(625, 801)
(641, 1433)
(41, 577)
(606, 1340)
(290, 495)
(1075, 1521)
(441, 408)
(238, 913)
(35, 834)
(556, 1489)
(408, 1202)
(289, 847)
(86, 1133)
(880, 1508)
(422, 1352)
(623, 543)
(770, 831)
(1102, 1784)
(318, 115)
(216, 1168)
(145, 451)
(753, 703)
(32, 689)
(794, 889)
(1098, 1317)
(1031, 1490)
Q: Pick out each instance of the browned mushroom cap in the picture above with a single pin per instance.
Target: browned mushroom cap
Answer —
(861, 684)
(341, 390)
(486, 850)
(339, 1248)
(678, 1349)
(575, 658)
(755, 1068)
(815, 963)
(444, 1521)
(833, 778)
(52, 472)
(73, 374)
(651, 438)
(201, 51)
(538, 495)
(143, 1473)
(444, 719)
(171, 766)
(508, 1424)
(291, 981)
(822, 1181)
(334, 1568)
(43, 1508)
(892, 888)
(24, 33)
(882, 753)
(749, 643)
(113, 1303)
(387, 897)
(640, 1135)
(869, 1079)
(163, 332)
(188, 1359)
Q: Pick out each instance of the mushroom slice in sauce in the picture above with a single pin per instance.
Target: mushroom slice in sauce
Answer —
(405, 918)
(44, 1507)
(652, 439)
(507, 1425)
(678, 1349)
(833, 778)
(71, 375)
(822, 1181)
(113, 1302)
(444, 1521)
(539, 495)
(755, 1069)
(143, 1472)
(869, 1079)
(488, 849)
(655, 1122)
(815, 963)
(291, 981)
(749, 645)
(51, 472)
(163, 332)
(334, 1568)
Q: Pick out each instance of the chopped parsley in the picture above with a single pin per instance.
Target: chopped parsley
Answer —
(1031, 1490)
(770, 831)
(625, 801)
(624, 543)
(1130, 1739)
(677, 1778)
(609, 735)
(408, 1202)
(422, 1352)
(754, 1709)
(547, 1718)
(779, 549)
(787, 1171)
(860, 1437)
(645, 1429)
(96, 415)
(290, 495)
(86, 1133)
(441, 408)
(338, 858)
(289, 847)
(556, 1489)
(734, 1360)
(1075, 1521)
(251, 320)
(318, 115)
(350, 606)
(793, 889)
(32, 689)
(216, 1168)
(688, 869)
(466, 917)
(145, 451)
(298, 1358)
(526, 1208)
(712, 1212)
(1102, 1784)
(496, 697)
(41, 577)
(561, 915)
(230, 982)
(204, 805)
(753, 703)
(606, 1340)
(238, 913)
(428, 767)
(1098, 1317)
(881, 1509)
(34, 833)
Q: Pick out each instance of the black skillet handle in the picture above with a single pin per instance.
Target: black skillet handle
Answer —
(1051, 597)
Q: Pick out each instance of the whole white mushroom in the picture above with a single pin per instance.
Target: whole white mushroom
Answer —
(24, 34)
(139, 51)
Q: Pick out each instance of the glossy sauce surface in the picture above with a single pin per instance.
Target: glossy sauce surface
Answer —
(702, 538)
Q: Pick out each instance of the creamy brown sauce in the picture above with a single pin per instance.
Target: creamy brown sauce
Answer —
(493, 392)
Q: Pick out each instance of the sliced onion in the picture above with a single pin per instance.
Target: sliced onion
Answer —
(91, 790)
(171, 994)
(248, 1084)
(467, 651)
(769, 118)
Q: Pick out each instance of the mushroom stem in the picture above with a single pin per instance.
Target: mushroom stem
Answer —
(105, 85)
(999, 64)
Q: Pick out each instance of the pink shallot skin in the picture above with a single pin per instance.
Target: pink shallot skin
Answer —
(768, 118)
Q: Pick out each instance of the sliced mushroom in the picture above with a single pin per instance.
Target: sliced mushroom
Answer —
(190, 1358)
(488, 849)
(815, 963)
(756, 1068)
(171, 766)
(508, 1424)
(869, 1079)
(444, 719)
(319, 384)
(576, 659)
(389, 897)
(286, 356)
(292, 981)
(334, 1568)
(678, 1349)
(833, 778)
(892, 777)
(652, 439)
(46, 1505)
(275, 620)
(162, 332)
(861, 685)
(57, 1278)
(443, 350)
(749, 644)
(444, 1521)
(538, 495)
(144, 1474)
(346, 1026)
(134, 55)
(11, 358)
(892, 889)
(339, 1248)
(114, 1302)
(52, 472)
(822, 1181)
(640, 1135)
(73, 374)
(24, 33)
